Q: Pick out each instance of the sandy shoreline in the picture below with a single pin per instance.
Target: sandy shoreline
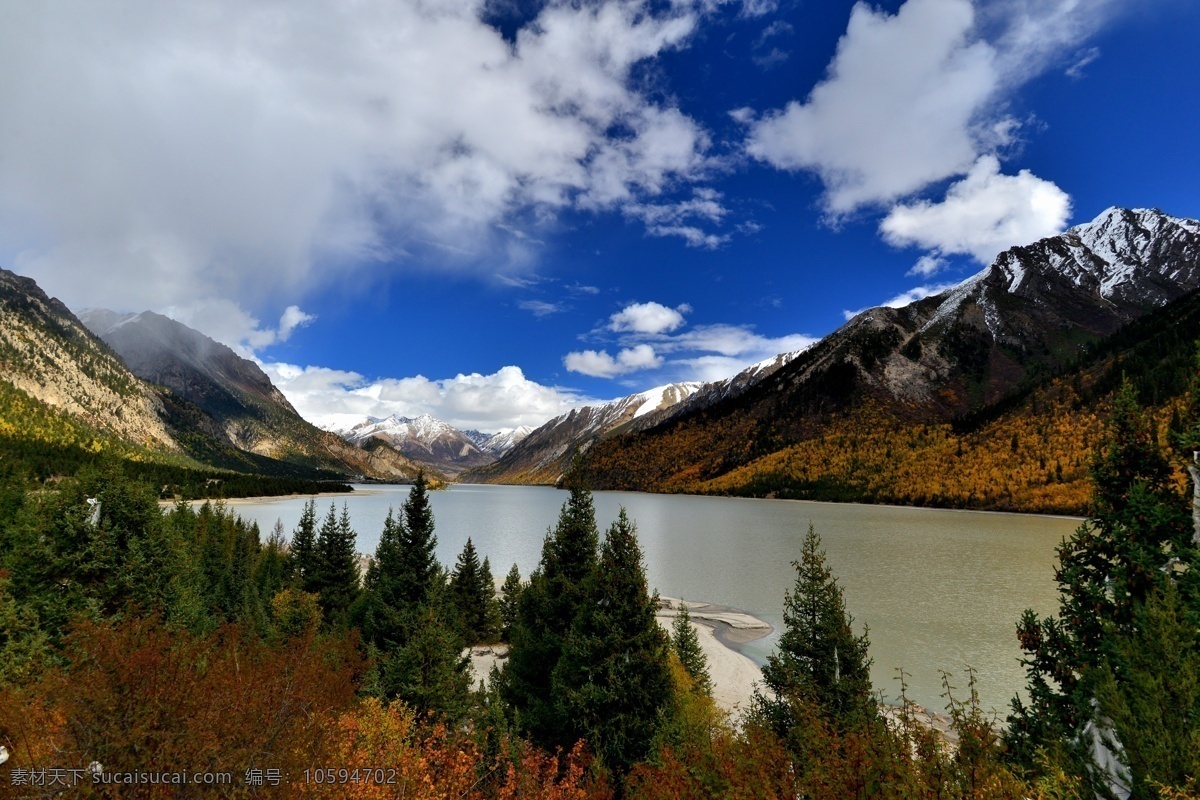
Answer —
(240, 501)
(720, 630)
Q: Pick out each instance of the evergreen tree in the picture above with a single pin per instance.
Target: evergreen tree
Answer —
(544, 617)
(336, 570)
(470, 595)
(382, 609)
(304, 548)
(1149, 690)
(271, 568)
(510, 599)
(687, 646)
(819, 661)
(491, 625)
(418, 561)
(429, 672)
(613, 680)
(1114, 561)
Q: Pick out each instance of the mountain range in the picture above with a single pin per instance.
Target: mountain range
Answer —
(987, 395)
(426, 440)
(799, 425)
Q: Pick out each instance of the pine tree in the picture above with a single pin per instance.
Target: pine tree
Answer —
(382, 610)
(510, 599)
(546, 611)
(418, 561)
(429, 671)
(491, 624)
(270, 571)
(1149, 689)
(819, 661)
(687, 646)
(613, 681)
(470, 596)
(304, 548)
(1112, 563)
(336, 569)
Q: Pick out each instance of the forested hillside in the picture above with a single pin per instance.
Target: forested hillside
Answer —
(834, 438)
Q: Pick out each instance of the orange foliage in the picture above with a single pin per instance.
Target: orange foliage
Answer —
(1033, 458)
(141, 698)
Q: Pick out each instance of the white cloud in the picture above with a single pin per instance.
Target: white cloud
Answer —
(897, 110)
(647, 318)
(917, 97)
(291, 319)
(228, 149)
(927, 266)
(906, 298)
(504, 399)
(599, 364)
(982, 215)
(228, 323)
(733, 340)
(702, 353)
(680, 218)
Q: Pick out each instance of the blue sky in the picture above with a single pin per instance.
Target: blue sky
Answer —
(492, 211)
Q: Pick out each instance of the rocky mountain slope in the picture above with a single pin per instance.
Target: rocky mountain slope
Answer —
(546, 452)
(240, 407)
(544, 455)
(1034, 310)
(48, 355)
(501, 441)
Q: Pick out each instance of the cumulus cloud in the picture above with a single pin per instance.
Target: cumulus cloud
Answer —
(504, 399)
(229, 150)
(982, 215)
(917, 97)
(599, 364)
(647, 318)
(652, 338)
(897, 110)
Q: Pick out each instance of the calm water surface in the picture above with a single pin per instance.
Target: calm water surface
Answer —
(938, 589)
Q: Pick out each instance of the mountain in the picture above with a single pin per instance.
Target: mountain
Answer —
(49, 358)
(1035, 310)
(501, 441)
(424, 439)
(544, 454)
(241, 408)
